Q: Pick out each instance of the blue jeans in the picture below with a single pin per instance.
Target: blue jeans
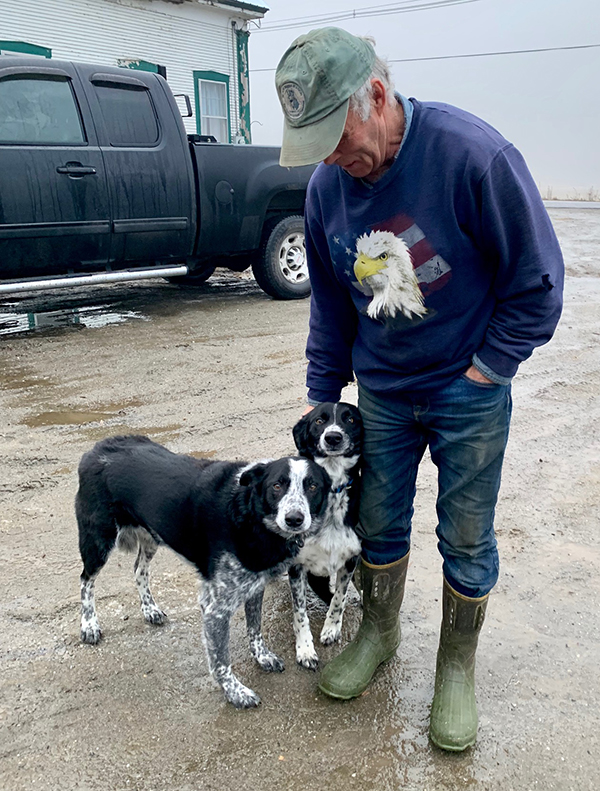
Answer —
(465, 424)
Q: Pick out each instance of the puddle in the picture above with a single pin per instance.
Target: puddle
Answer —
(284, 356)
(63, 471)
(88, 316)
(69, 416)
(24, 382)
(117, 303)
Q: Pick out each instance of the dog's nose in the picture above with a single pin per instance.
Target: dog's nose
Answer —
(294, 519)
(333, 438)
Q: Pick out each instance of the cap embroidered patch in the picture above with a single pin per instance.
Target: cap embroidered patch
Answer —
(293, 100)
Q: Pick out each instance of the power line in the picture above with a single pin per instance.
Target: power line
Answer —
(317, 17)
(487, 54)
(480, 54)
(360, 13)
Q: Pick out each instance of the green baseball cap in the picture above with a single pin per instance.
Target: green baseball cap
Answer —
(315, 79)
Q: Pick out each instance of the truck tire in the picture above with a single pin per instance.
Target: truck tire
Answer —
(194, 279)
(280, 268)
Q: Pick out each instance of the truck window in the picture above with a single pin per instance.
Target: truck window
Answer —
(129, 115)
(39, 110)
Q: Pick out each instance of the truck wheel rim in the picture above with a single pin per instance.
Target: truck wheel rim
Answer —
(292, 259)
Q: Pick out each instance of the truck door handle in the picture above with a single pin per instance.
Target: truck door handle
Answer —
(76, 170)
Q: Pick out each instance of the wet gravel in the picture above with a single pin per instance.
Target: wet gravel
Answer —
(218, 371)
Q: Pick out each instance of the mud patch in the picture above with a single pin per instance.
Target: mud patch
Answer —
(69, 416)
(166, 433)
(203, 454)
(20, 381)
(65, 418)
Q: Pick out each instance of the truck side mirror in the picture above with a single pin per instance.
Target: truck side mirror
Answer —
(183, 102)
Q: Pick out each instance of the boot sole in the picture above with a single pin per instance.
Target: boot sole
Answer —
(339, 697)
(452, 748)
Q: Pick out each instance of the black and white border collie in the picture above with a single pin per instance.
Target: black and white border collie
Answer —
(239, 524)
(330, 435)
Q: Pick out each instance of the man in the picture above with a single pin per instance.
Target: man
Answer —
(435, 271)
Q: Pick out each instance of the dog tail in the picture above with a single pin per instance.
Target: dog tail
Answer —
(127, 539)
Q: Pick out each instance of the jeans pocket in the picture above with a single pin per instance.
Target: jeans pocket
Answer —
(480, 385)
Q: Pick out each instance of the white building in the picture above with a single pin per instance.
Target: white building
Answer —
(201, 46)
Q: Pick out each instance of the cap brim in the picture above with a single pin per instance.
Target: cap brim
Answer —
(307, 145)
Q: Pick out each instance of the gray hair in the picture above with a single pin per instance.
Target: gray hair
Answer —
(360, 101)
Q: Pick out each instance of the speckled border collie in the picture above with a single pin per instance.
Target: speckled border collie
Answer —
(240, 525)
(331, 435)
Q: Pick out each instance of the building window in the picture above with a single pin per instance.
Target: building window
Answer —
(212, 105)
(24, 48)
(213, 109)
(39, 111)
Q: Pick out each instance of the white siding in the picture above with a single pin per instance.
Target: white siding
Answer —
(184, 37)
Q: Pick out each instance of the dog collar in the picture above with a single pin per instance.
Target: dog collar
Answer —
(343, 486)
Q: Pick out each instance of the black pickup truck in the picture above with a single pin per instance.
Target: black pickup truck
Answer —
(99, 182)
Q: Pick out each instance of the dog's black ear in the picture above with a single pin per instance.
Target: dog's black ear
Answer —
(300, 433)
(253, 473)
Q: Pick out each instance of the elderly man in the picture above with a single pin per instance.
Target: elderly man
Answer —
(435, 272)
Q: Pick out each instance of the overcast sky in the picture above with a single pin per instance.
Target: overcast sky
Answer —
(546, 103)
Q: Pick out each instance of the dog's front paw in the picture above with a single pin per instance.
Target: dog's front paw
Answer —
(242, 697)
(154, 615)
(265, 658)
(90, 633)
(271, 662)
(235, 692)
(308, 658)
(330, 634)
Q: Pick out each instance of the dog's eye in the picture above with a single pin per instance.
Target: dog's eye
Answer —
(350, 420)
(319, 421)
(277, 487)
(312, 487)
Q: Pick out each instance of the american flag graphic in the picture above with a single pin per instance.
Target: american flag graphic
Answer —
(432, 271)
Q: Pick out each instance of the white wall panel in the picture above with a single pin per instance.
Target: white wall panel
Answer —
(184, 37)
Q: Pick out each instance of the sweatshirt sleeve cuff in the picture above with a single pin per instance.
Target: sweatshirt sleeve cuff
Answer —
(491, 375)
(316, 397)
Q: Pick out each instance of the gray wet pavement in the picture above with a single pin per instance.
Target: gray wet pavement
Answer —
(218, 371)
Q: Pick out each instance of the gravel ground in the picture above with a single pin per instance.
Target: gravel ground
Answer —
(219, 372)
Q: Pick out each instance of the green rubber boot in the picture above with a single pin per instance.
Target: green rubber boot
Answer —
(453, 724)
(378, 636)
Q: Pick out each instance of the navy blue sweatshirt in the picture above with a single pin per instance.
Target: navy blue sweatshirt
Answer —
(482, 245)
